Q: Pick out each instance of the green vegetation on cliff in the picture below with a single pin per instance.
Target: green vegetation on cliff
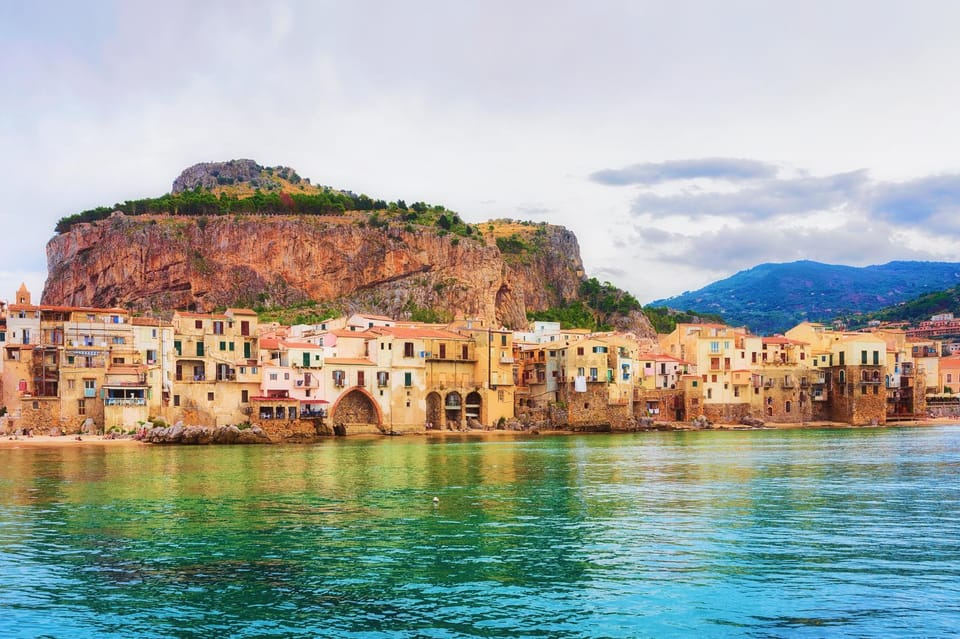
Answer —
(665, 319)
(597, 304)
(913, 311)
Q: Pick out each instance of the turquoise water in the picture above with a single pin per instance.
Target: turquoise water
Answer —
(832, 533)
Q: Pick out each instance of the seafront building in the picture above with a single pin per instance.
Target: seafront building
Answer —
(76, 368)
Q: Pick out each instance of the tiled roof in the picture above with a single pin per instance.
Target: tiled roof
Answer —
(357, 361)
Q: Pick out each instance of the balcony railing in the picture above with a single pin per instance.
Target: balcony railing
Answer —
(126, 401)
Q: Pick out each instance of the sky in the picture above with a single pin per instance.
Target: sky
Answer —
(681, 141)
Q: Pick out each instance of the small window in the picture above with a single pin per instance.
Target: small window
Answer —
(408, 349)
(209, 397)
(408, 379)
(198, 324)
(244, 396)
(176, 400)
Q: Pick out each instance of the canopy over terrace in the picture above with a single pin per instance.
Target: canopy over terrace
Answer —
(288, 407)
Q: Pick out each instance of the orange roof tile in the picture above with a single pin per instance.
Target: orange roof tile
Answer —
(358, 361)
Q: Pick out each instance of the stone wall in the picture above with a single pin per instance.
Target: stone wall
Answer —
(855, 402)
(354, 408)
(293, 430)
(592, 409)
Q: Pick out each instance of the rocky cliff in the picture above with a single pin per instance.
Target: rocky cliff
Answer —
(393, 263)
(204, 263)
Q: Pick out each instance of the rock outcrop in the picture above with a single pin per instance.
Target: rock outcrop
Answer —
(395, 268)
(180, 434)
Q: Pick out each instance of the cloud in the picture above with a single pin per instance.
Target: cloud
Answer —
(931, 201)
(730, 169)
(729, 249)
(771, 198)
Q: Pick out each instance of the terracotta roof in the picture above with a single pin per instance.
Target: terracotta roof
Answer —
(270, 343)
(358, 361)
(375, 317)
(342, 332)
(200, 315)
(299, 345)
(241, 311)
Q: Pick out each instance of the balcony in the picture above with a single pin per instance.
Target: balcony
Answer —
(128, 401)
(789, 383)
(506, 359)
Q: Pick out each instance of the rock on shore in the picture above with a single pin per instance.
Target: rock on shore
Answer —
(180, 434)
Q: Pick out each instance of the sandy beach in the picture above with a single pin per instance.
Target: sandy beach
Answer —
(10, 441)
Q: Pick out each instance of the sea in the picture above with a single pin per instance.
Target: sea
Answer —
(771, 533)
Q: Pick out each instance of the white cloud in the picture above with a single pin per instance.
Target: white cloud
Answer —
(502, 109)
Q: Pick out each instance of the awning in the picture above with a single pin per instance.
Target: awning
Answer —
(314, 401)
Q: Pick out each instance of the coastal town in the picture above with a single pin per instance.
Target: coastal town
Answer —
(103, 370)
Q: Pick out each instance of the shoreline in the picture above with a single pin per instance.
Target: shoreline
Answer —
(13, 442)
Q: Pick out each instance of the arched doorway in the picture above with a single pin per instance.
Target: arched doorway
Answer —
(355, 407)
(473, 406)
(453, 409)
(434, 411)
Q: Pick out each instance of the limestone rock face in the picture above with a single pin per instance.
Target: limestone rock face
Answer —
(205, 174)
(202, 263)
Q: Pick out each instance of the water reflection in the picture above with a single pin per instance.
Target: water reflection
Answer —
(723, 534)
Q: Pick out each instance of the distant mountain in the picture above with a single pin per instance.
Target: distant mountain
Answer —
(771, 298)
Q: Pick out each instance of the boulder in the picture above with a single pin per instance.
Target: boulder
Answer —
(701, 422)
(753, 422)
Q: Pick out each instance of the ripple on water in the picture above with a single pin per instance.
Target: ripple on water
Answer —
(757, 534)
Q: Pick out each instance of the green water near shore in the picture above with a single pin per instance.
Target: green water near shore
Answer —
(764, 534)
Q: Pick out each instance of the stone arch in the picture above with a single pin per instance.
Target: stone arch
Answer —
(453, 409)
(435, 410)
(473, 406)
(356, 406)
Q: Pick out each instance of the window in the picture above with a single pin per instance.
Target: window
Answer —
(223, 346)
(443, 351)
(117, 339)
(176, 400)
(218, 328)
(199, 349)
(210, 397)
(715, 347)
(70, 384)
(177, 347)
(786, 406)
(89, 388)
(408, 349)
(876, 358)
(709, 393)
(503, 340)
(408, 379)
(339, 378)
(360, 378)
(198, 324)
(580, 350)
(500, 395)
(81, 407)
(286, 375)
(464, 352)
(863, 389)
(842, 354)
(151, 356)
(244, 396)
(382, 378)
(273, 377)
(593, 374)
(863, 357)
